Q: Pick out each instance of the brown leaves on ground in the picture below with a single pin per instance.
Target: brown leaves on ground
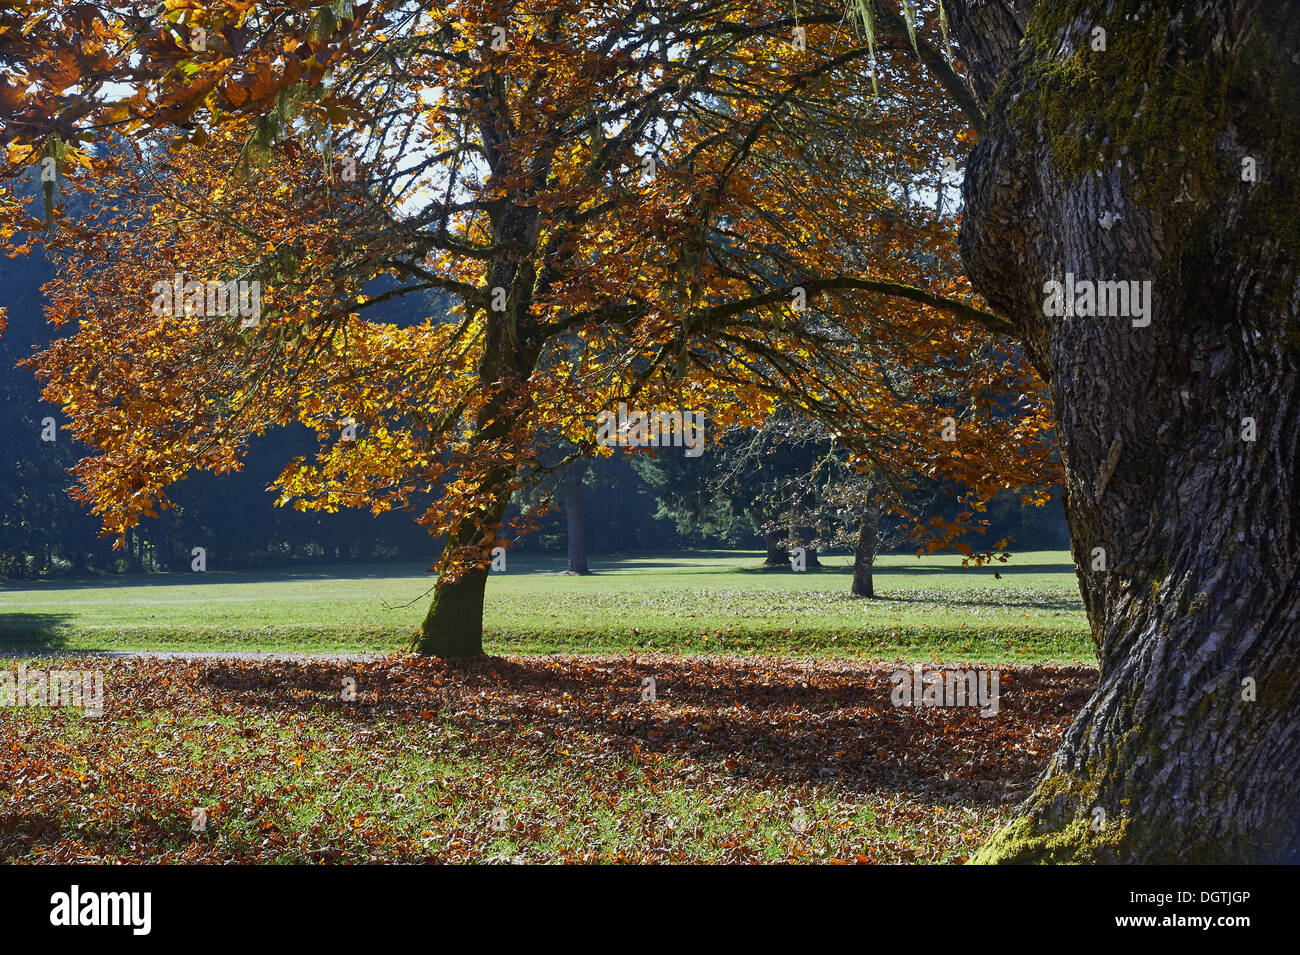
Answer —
(736, 759)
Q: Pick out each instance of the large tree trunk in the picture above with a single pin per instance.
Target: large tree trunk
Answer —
(777, 553)
(575, 517)
(454, 625)
(864, 552)
(1128, 164)
(803, 535)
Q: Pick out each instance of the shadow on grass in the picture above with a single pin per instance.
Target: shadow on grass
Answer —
(957, 598)
(522, 564)
(368, 571)
(832, 723)
(667, 564)
(103, 841)
(968, 574)
(33, 631)
(716, 723)
(1011, 569)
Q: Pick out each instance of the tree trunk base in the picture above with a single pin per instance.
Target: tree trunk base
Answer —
(778, 558)
(1077, 844)
(454, 625)
(864, 553)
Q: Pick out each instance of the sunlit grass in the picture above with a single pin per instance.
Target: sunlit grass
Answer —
(695, 603)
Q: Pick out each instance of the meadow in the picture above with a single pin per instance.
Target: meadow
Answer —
(771, 734)
(927, 609)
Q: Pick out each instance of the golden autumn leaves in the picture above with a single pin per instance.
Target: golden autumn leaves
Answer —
(490, 164)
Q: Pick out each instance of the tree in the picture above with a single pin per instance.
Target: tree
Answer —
(730, 494)
(1134, 142)
(843, 500)
(1153, 143)
(814, 492)
(575, 517)
(625, 203)
(865, 549)
(561, 479)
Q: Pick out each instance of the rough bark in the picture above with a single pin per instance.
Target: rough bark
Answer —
(1128, 164)
(864, 553)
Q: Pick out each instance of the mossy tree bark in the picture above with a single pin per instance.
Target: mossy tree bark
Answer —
(1166, 157)
(454, 625)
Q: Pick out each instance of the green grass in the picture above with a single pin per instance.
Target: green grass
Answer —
(713, 602)
(429, 793)
(539, 758)
(529, 759)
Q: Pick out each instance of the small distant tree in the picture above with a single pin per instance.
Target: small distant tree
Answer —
(559, 480)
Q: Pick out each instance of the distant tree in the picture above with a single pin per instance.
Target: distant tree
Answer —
(558, 480)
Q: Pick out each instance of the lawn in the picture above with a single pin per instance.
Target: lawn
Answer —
(532, 759)
(772, 736)
(928, 609)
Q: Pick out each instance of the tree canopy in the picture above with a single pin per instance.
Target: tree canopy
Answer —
(696, 206)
